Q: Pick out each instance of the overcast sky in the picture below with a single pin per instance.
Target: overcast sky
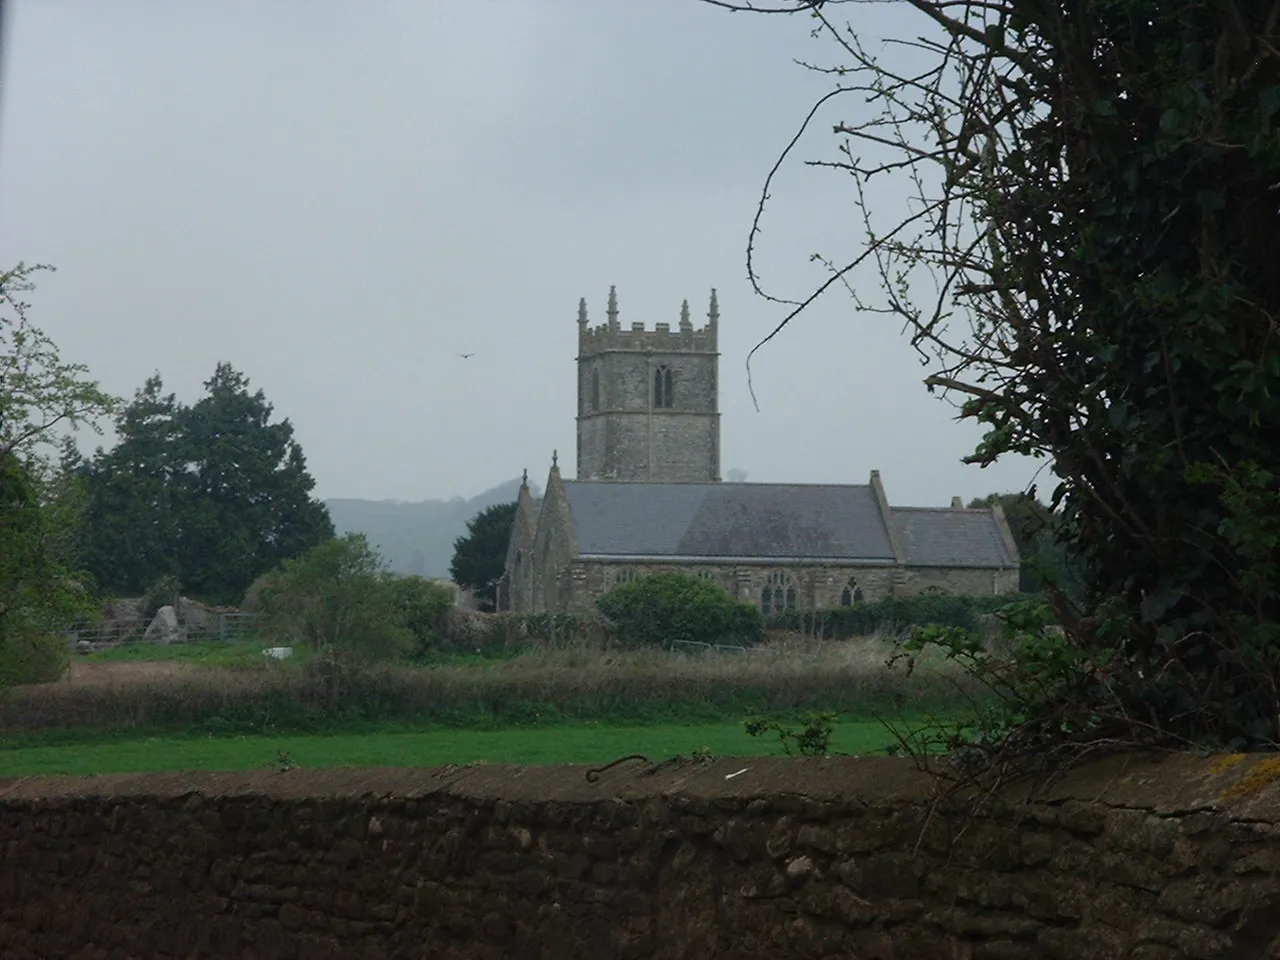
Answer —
(341, 196)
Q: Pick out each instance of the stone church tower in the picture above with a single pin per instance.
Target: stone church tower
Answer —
(647, 401)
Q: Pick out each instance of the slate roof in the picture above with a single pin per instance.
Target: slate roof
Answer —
(730, 520)
(938, 537)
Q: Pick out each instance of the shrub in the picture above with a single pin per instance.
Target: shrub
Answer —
(812, 740)
(423, 607)
(667, 607)
(338, 600)
(32, 658)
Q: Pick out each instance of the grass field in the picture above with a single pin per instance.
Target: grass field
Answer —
(211, 705)
(577, 743)
(210, 689)
(239, 654)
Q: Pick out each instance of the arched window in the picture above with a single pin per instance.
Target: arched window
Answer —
(851, 594)
(662, 395)
(778, 595)
(623, 576)
(595, 389)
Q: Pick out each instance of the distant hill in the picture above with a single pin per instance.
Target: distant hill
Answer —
(416, 537)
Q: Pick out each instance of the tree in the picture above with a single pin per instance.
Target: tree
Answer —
(134, 494)
(214, 494)
(247, 501)
(338, 601)
(480, 556)
(1035, 531)
(40, 585)
(1094, 216)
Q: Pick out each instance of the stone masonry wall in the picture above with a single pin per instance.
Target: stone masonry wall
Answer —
(625, 439)
(971, 582)
(732, 858)
(817, 587)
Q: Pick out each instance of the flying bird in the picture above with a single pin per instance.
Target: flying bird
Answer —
(466, 356)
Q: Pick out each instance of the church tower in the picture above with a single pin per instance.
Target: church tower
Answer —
(647, 401)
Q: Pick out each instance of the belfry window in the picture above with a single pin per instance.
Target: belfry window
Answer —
(662, 395)
(595, 390)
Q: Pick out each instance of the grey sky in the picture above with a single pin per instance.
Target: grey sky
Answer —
(341, 197)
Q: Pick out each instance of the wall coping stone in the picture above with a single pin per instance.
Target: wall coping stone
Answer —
(1243, 787)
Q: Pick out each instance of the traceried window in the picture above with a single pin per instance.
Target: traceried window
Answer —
(778, 595)
(623, 576)
(851, 594)
(595, 390)
(662, 395)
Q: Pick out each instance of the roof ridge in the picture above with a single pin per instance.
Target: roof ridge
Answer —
(942, 509)
(718, 484)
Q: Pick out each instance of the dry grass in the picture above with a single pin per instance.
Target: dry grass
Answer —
(787, 674)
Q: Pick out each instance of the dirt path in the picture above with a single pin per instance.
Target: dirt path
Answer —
(85, 673)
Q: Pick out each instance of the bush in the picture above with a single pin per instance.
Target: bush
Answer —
(669, 607)
(337, 600)
(423, 607)
(32, 658)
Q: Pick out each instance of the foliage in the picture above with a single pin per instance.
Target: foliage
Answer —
(500, 634)
(164, 591)
(337, 600)
(666, 607)
(33, 657)
(39, 391)
(1045, 562)
(423, 606)
(1037, 679)
(214, 494)
(480, 556)
(1095, 209)
(41, 584)
(891, 615)
(812, 740)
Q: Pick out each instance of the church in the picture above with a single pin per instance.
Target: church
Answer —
(648, 497)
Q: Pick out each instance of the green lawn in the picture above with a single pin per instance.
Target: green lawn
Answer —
(238, 654)
(580, 743)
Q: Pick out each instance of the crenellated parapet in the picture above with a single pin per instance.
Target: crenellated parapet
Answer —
(612, 335)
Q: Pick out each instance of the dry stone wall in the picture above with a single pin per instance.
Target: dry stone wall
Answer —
(761, 858)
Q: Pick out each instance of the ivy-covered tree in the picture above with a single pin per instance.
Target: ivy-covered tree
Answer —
(1088, 262)
(214, 494)
(480, 555)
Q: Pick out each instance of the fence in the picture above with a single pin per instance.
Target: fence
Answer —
(220, 626)
(695, 646)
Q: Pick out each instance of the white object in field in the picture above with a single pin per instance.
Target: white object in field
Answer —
(278, 653)
(730, 776)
